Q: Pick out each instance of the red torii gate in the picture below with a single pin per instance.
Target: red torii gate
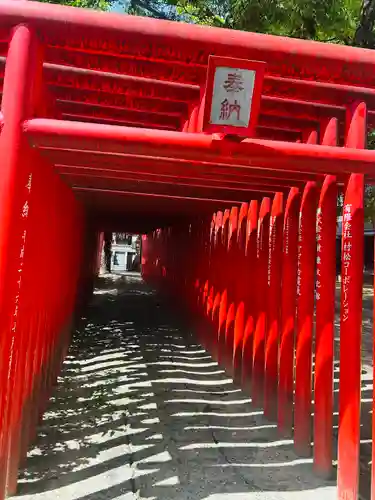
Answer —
(102, 102)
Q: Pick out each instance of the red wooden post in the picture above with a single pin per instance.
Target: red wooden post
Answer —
(197, 266)
(20, 101)
(207, 284)
(215, 291)
(192, 127)
(274, 298)
(351, 316)
(223, 306)
(325, 313)
(23, 342)
(250, 269)
(231, 278)
(36, 338)
(211, 269)
(55, 221)
(311, 137)
(325, 310)
(373, 402)
(288, 312)
(241, 285)
(305, 314)
(262, 302)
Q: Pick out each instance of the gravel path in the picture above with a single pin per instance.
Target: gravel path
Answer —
(142, 412)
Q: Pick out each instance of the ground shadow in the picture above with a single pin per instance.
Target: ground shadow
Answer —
(142, 411)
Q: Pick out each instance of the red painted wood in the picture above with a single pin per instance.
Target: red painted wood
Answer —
(274, 307)
(91, 85)
(288, 313)
(215, 292)
(106, 163)
(305, 315)
(20, 101)
(324, 335)
(373, 404)
(325, 312)
(240, 292)
(290, 156)
(262, 303)
(223, 287)
(250, 277)
(207, 296)
(228, 347)
(214, 62)
(284, 55)
(231, 278)
(239, 327)
(103, 159)
(351, 316)
(350, 340)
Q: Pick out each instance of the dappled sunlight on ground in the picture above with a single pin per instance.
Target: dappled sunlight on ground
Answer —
(366, 380)
(143, 412)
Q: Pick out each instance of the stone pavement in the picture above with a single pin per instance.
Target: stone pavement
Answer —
(142, 412)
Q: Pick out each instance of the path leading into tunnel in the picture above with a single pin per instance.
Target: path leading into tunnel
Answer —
(143, 412)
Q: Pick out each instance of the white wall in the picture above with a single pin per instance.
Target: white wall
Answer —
(120, 257)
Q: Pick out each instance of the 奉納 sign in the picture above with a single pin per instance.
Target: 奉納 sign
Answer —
(232, 97)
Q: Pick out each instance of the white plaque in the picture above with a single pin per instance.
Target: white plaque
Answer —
(232, 96)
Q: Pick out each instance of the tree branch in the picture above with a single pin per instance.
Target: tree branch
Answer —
(152, 10)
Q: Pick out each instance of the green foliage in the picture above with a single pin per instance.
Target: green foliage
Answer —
(370, 205)
(370, 190)
(207, 12)
(325, 20)
(159, 9)
(86, 4)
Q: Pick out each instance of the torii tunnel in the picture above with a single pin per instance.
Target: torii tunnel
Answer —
(102, 130)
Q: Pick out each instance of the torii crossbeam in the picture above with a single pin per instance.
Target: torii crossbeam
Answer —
(104, 126)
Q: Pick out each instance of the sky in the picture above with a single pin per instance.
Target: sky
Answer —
(119, 6)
